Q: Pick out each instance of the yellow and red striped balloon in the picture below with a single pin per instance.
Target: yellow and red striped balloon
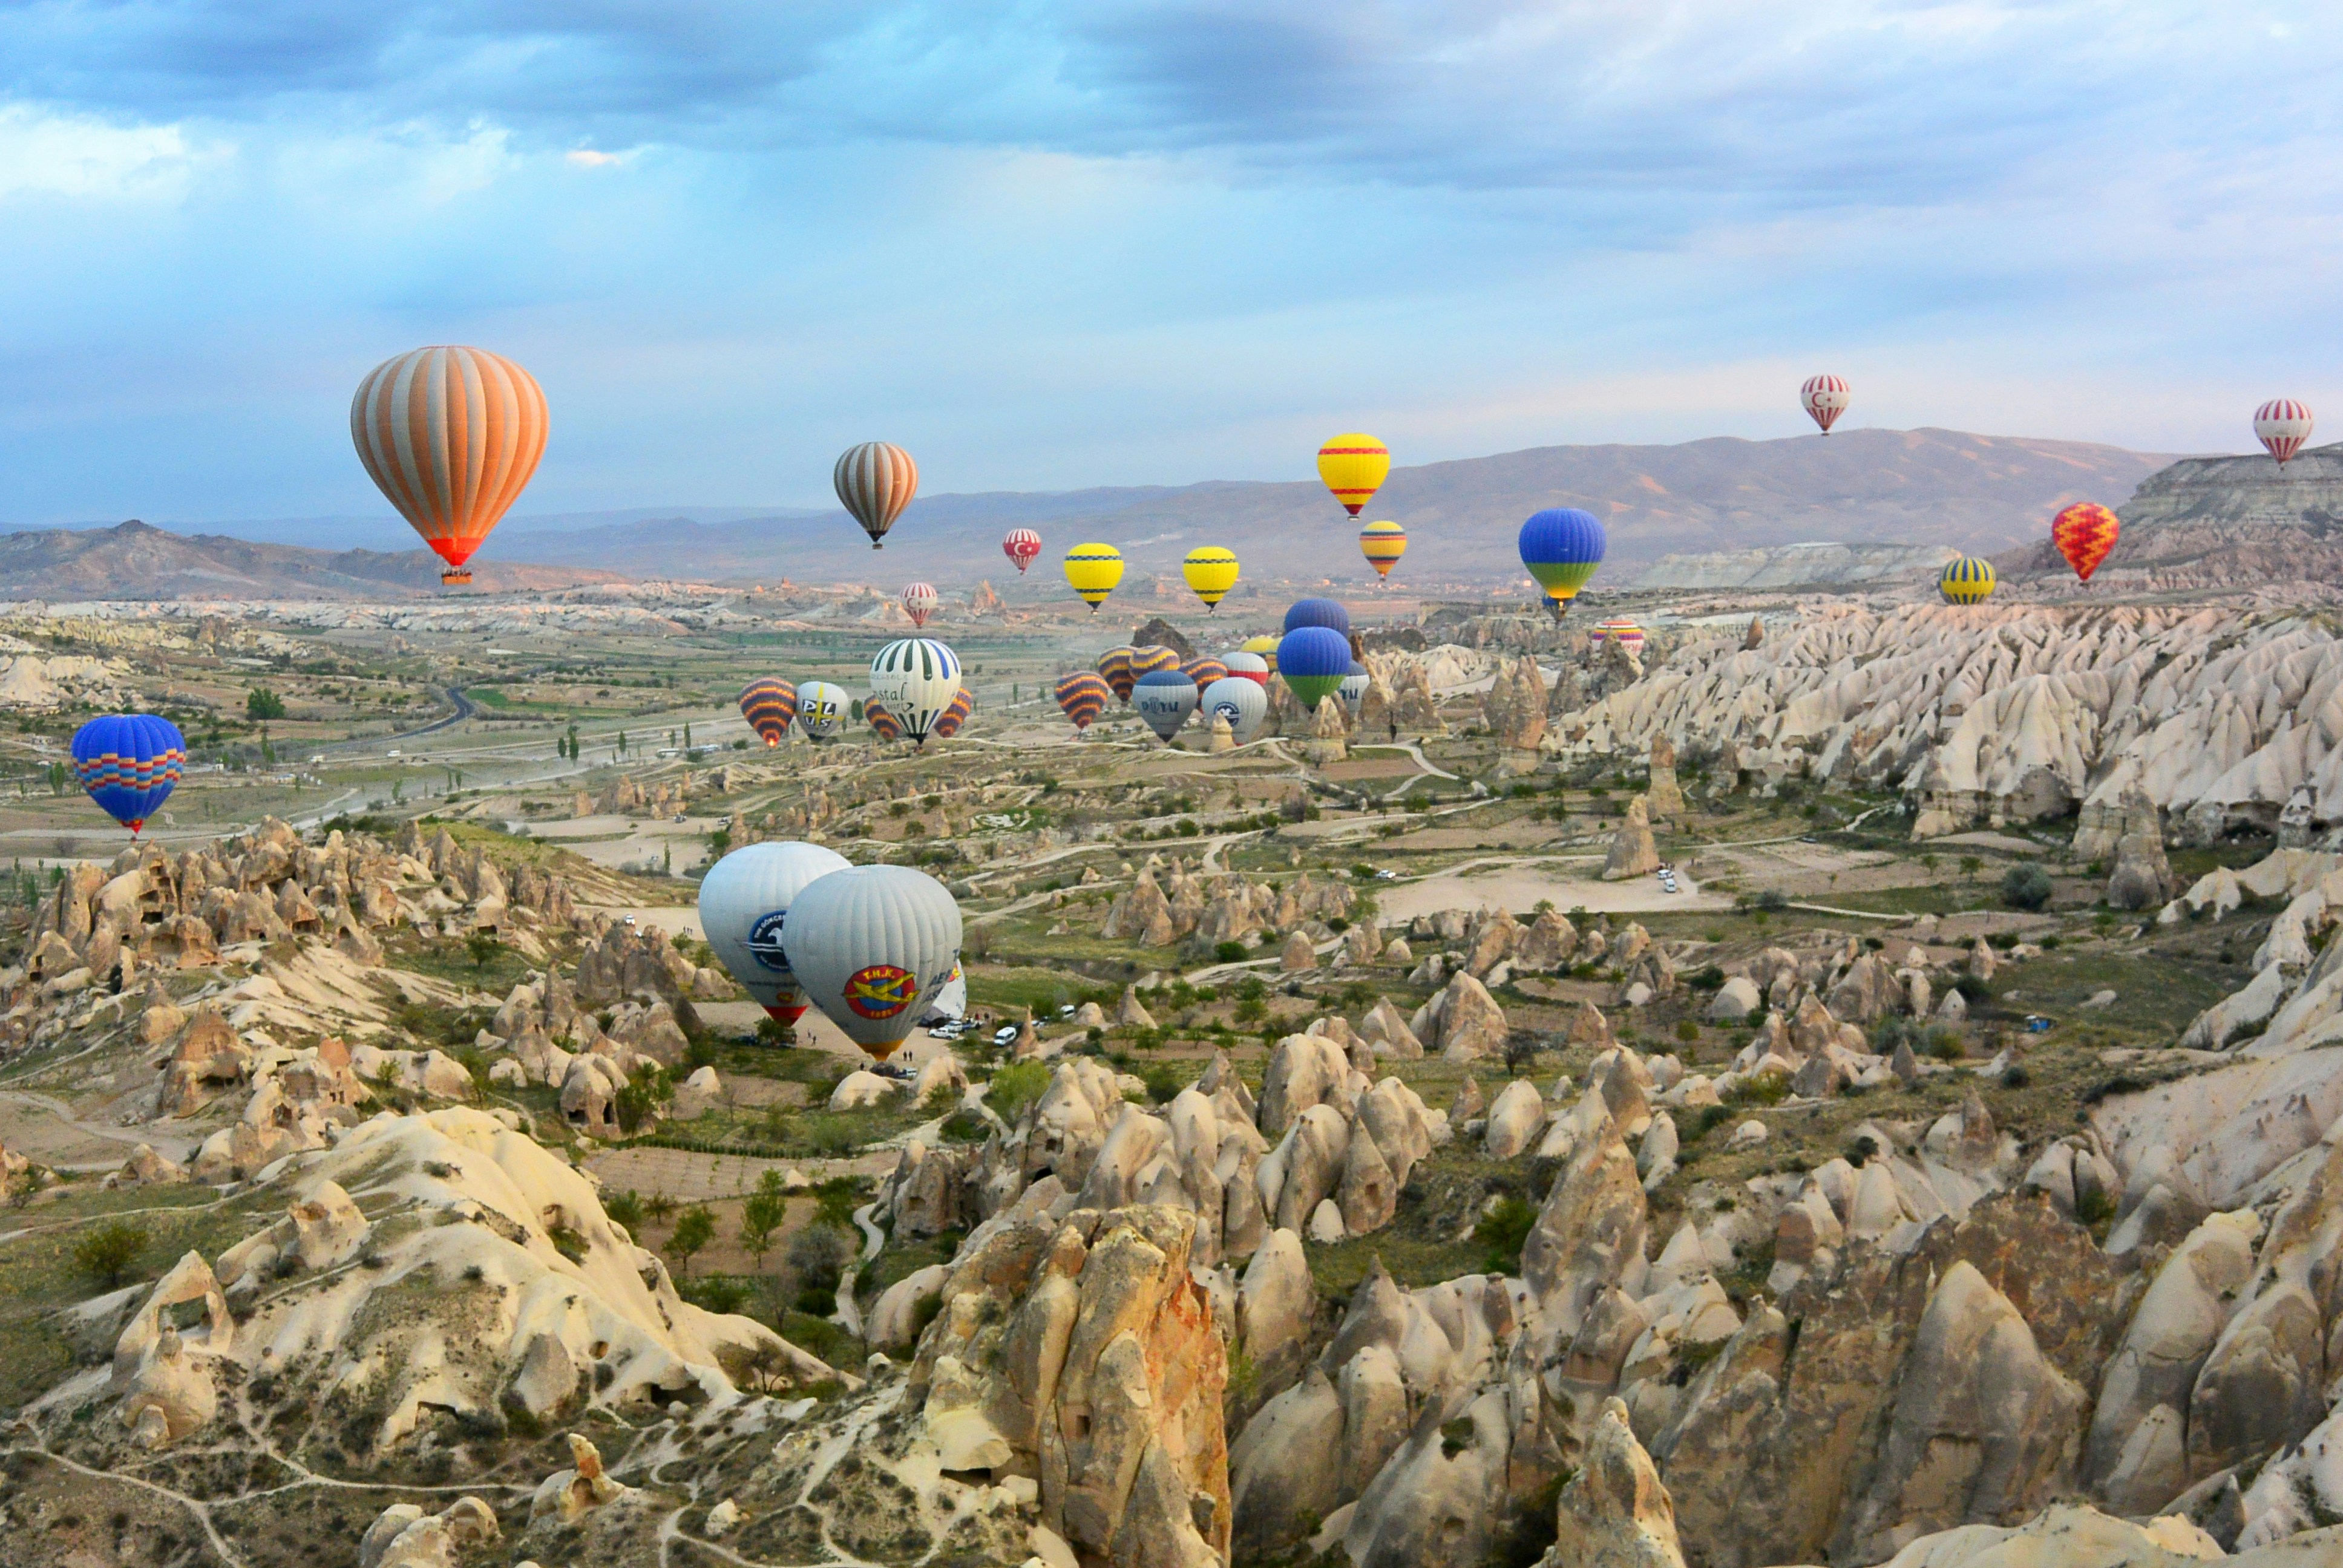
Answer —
(1353, 466)
(2085, 533)
(451, 435)
(1203, 671)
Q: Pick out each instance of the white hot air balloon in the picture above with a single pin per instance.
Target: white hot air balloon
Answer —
(873, 947)
(917, 679)
(1243, 703)
(743, 901)
(1164, 699)
(822, 710)
(2282, 425)
(1353, 689)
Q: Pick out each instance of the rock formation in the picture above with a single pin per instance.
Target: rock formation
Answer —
(1633, 851)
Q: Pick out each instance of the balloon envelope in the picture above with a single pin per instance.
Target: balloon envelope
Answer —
(1093, 570)
(1313, 661)
(917, 677)
(1621, 631)
(873, 946)
(1212, 572)
(744, 901)
(1382, 544)
(1082, 697)
(1203, 671)
(955, 714)
(2085, 533)
(2282, 425)
(875, 481)
(450, 435)
(1164, 699)
(1825, 399)
(1242, 702)
(1968, 580)
(1146, 662)
(875, 713)
(1353, 466)
(1114, 667)
(822, 710)
(1353, 688)
(1562, 545)
(1325, 612)
(768, 703)
(129, 763)
(1248, 666)
(1263, 648)
(1022, 546)
(918, 602)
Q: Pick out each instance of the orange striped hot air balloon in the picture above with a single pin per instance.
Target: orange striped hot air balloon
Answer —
(954, 715)
(1203, 671)
(1084, 696)
(1353, 467)
(1146, 662)
(451, 435)
(875, 715)
(1114, 666)
(875, 481)
(768, 703)
(2085, 533)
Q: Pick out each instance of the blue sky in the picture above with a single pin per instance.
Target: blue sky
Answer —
(1054, 244)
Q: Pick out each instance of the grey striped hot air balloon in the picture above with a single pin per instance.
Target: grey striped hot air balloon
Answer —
(872, 947)
(875, 481)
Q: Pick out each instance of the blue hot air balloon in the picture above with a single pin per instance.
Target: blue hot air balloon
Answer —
(1313, 661)
(1562, 545)
(129, 763)
(1325, 612)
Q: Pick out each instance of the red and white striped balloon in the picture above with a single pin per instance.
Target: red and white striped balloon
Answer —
(918, 602)
(2283, 424)
(1825, 399)
(1023, 545)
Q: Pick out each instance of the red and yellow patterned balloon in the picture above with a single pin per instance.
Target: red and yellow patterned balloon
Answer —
(2085, 533)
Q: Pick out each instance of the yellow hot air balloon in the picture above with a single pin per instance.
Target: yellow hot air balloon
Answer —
(1211, 571)
(1266, 647)
(1093, 570)
(1382, 544)
(1353, 467)
(1968, 580)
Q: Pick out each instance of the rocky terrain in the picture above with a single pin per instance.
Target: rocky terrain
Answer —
(135, 561)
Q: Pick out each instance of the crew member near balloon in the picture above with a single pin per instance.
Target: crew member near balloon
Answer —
(1562, 547)
(129, 763)
(450, 435)
(873, 946)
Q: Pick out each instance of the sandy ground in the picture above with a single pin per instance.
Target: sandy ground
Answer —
(1518, 885)
(619, 842)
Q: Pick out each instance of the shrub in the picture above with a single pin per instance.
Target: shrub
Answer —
(2026, 887)
(1015, 1087)
(1228, 952)
(1773, 901)
(1973, 990)
(1687, 1030)
(107, 1252)
(625, 1209)
(1504, 1230)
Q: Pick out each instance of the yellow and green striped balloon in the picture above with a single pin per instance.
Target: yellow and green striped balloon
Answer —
(1968, 580)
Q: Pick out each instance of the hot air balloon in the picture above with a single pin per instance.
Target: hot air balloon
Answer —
(1968, 580)
(768, 703)
(1825, 399)
(918, 602)
(129, 763)
(1022, 546)
(1263, 648)
(744, 901)
(1203, 671)
(1247, 666)
(1114, 667)
(1093, 571)
(1083, 696)
(1212, 572)
(2085, 533)
(885, 724)
(1562, 545)
(451, 435)
(1353, 467)
(822, 710)
(1354, 688)
(1164, 699)
(917, 679)
(1325, 612)
(2282, 425)
(875, 481)
(1146, 662)
(1382, 544)
(1618, 630)
(1242, 702)
(1313, 660)
(873, 946)
(954, 715)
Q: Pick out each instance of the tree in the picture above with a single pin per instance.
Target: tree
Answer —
(107, 1252)
(686, 737)
(694, 1229)
(762, 1214)
(483, 947)
(261, 703)
(1970, 866)
(622, 743)
(2026, 887)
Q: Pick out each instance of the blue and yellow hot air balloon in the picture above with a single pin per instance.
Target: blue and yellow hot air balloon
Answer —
(1968, 580)
(129, 763)
(1313, 661)
(1562, 545)
(1093, 571)
(1212, 572)
(1382, 544)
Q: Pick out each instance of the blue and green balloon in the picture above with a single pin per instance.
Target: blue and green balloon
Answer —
(1562, 545)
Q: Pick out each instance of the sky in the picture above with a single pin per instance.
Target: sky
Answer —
(1047, 246)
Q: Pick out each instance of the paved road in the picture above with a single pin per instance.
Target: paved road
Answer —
(464, 708)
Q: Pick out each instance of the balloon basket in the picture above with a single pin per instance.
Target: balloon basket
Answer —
(456, 576)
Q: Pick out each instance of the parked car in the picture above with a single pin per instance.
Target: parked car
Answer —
(1005, 1036)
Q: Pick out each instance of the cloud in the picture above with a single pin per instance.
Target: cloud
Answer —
(587, 158)
(83, 157)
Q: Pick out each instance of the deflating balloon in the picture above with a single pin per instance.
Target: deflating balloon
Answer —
(450, 435)
(1093, 570)
(918, 602)
(1382, 544)
(129, 763)
(1313, 661)
(1264, 649)
(1325, 612)
(1968, 580)
(1082, 696)
(768, 703)
(1203, 671)
(1164, 699)
(744, 901)
(949, 721)
(873, 946)
(875, 481)
(1114, 667)
(1353, 689)
(2282, 425)
(1353, 466)
(2085, 533)
(1148, 661)
(875, 713)
(822, 710)
(1212, 572)
(917, 679)
(1825, 399)
(1562, 545)
(1618, 630)
(1242, 702)
(1022, 546)
(1250, 667)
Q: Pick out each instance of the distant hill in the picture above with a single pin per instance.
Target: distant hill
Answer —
(1911, 487)
(135, 561)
